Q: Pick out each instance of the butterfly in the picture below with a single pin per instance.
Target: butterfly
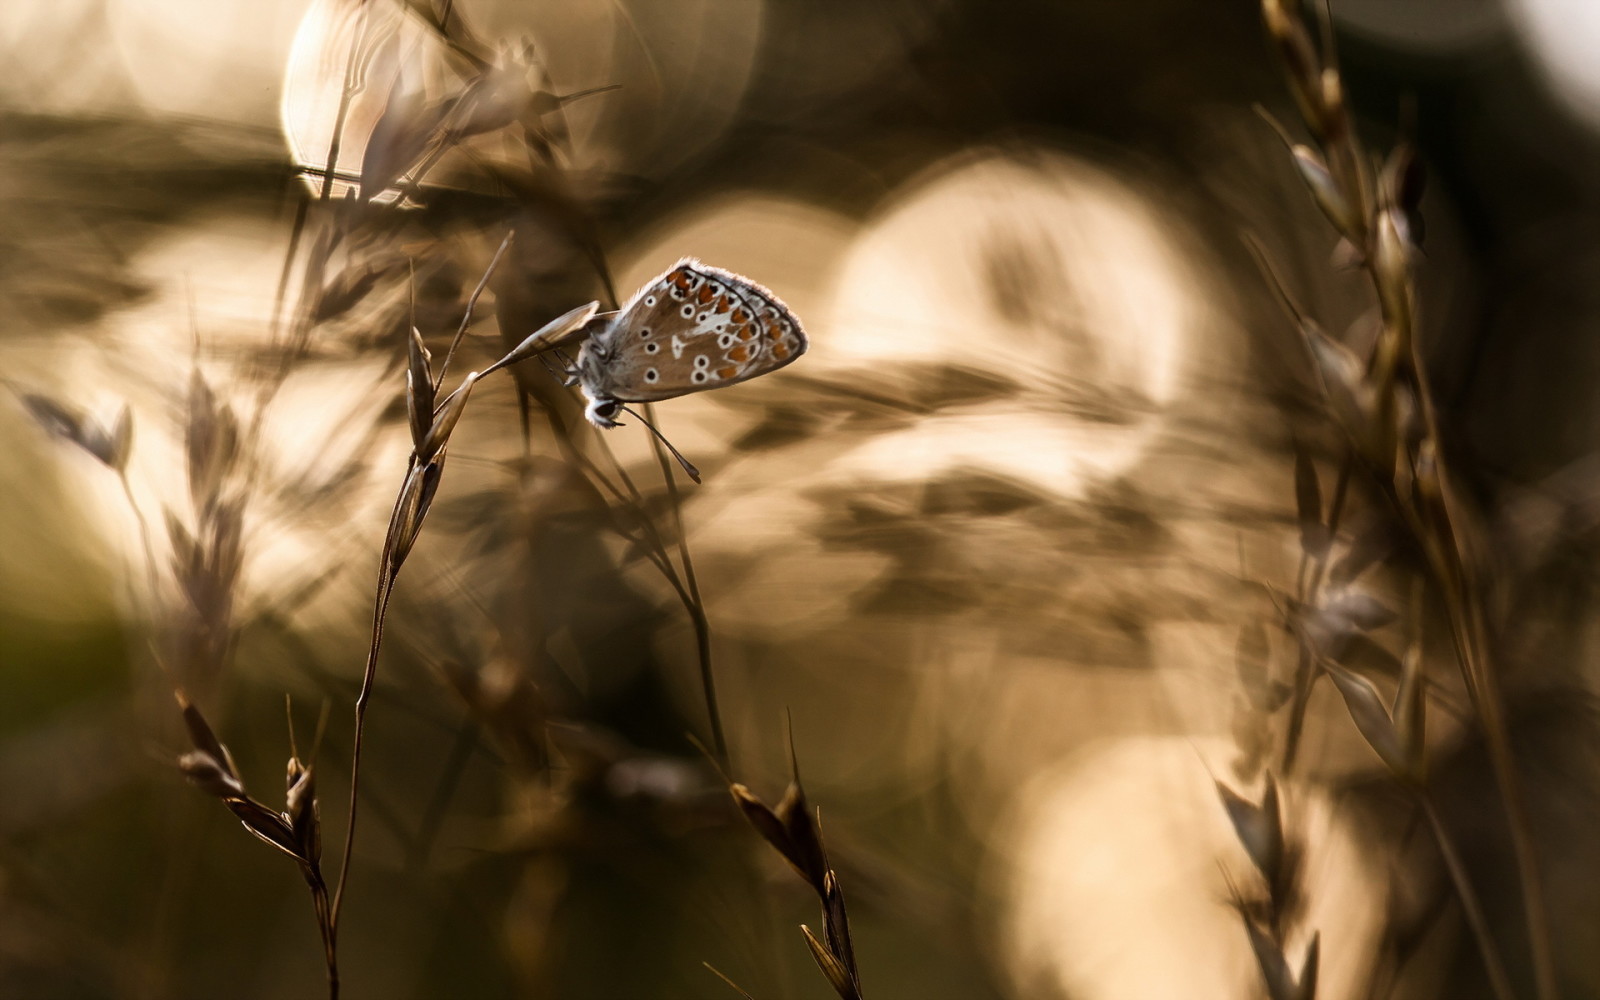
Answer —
(691, 329)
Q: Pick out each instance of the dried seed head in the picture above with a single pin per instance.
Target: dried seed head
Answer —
(1298, 52)
(1325, 191)
(121, 439)
(201, 735)
(1344, 384)
(1354, 611)
(57, 419)
(1391, 263)
(416, 496)
(1258, 827)
(1306, 985)
(1403, 179)
(1371, 716)
(837, 975)
(109, 445)
(212, 442)
(300, 809)
(564, 329)
(766, 823)
(836, 927)
(419, 407)
(272, 828)
(1425, 484)
(445, 418)
(419, 371)
(805, 835)
(789, 828)
(1333, 121)
(1411, 711)
(1274, 967)
(210, 775)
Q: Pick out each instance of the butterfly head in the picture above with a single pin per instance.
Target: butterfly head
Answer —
(602, 412)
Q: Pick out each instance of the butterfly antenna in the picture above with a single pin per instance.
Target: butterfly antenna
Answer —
(688, 466)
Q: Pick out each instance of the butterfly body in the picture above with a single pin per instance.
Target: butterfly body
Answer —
(693, 328)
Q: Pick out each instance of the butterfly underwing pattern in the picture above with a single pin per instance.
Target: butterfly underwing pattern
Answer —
(693, 328)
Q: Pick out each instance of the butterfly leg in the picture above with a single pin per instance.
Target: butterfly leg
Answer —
(569, 371)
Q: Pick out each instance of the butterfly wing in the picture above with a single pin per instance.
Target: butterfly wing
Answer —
(693, 328)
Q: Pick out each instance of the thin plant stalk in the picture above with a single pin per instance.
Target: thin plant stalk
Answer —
(694, 605)
(1471, 907)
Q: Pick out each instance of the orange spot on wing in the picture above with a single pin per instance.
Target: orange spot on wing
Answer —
(739, 353)
(727, 372)
(746, 332)
(779, 351)
(706, 293)
(740, 316)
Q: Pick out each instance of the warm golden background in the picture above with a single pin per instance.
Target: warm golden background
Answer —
(989, 545)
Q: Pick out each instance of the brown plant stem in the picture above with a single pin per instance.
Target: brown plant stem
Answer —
(1493, 966)
(1456, 574)
(693, 604)
(385, 588)
(472, 303)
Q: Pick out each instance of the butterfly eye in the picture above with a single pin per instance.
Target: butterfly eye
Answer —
(605, 409)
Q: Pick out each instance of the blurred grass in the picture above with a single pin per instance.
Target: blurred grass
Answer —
(1086, 616)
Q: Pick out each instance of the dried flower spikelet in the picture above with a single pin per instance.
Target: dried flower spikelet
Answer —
(202, 736)
(1350, 395)
(1280, 982)
(1411, 712)
(445, 419)
(211, 443)
(1298, 53)
(300, 809)
(1326, 192)
(832, 968)
(419, 388)
(209, 775)
(1372, 718)
(1401, 184)
(564, 329)
(1391, 263)
(416, 496)
(1333, 120)
(1258, 827)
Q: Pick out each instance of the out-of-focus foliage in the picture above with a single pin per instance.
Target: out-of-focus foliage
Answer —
(986, 552)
